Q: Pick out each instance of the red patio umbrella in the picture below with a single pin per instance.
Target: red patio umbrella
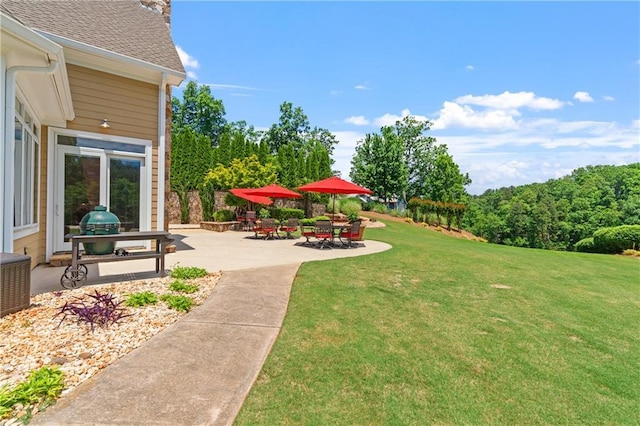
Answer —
(274, 191)
(334, 185)
(258, 199)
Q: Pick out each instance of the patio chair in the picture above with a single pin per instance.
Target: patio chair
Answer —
(241, 217)
(307, 232)
(324, 233)
(267, 228)
(250, 221)
(350, 234)
(290, 227)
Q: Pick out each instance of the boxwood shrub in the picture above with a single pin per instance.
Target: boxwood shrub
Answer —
(617, 239)
(224, 216)
(312, 221)
(586, 245)
(287, 213)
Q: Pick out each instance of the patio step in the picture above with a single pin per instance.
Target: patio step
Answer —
(60, 259)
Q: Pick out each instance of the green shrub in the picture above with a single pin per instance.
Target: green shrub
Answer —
(224, 216)
(264, 213)
(181, 286)
(354, 199)
(379, 208)
(351, 209)
(617, 239)
(333, 207)
(179, 303)
(368, 206)
(312, 220)
(287, 213)
(42, 387)
(586, 245)
(136, 300)
(188, 272)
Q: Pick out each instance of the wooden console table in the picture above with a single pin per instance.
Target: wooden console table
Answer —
(75, 274)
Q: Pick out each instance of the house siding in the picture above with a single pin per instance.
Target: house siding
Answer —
(131, 107)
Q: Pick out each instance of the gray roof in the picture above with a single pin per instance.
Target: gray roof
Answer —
(121, 26)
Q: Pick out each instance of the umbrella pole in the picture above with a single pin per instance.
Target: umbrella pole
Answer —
(333, 210)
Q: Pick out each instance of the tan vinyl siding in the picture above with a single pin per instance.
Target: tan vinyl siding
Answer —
(131, 107)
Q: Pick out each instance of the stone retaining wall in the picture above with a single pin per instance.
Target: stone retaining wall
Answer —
(195, 206)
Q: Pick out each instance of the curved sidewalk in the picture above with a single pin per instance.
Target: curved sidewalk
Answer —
(199, 370)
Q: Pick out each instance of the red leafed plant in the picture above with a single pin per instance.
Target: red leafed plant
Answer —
(100, 310)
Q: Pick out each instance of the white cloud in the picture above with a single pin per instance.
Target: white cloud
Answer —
(608, 98)
(390, 119)
(335, 92)
(231, 87)
(508, 100)
(535, 150)
(455, 115)
(358, 120)
(500, 169)
(344, 151)
(470, 67)
(188, 61)
(583, 97)
(362, 87)
(192, 75)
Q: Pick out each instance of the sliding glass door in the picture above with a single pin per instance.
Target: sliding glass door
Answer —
(89, 177)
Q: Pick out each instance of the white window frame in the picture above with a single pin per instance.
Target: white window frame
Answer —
(28, 172)
(54, 186)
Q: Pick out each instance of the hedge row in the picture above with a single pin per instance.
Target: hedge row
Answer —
(611, 240)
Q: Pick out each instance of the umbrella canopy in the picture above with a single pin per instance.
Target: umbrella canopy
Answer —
(274, 191)
(334, 185)
(242, 193)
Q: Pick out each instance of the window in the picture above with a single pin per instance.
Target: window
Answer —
(26, 169)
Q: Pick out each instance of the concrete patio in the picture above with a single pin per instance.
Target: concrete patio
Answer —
(214, 251)
(199, 370)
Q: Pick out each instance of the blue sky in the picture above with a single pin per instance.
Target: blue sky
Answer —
(519, 92)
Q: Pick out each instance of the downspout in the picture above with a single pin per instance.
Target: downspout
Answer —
(162, 154)
(9, 147)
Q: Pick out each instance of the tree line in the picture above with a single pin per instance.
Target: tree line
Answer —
(402, 161)
(557, 214)
(208, 153)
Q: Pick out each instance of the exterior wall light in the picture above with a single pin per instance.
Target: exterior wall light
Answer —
(105, 124)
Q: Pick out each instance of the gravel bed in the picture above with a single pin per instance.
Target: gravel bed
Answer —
(35, 337)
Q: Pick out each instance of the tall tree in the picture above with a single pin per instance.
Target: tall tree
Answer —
(379, 165)
(190, 154)
(445, 182)
(420, 153)
(199, 111)
(293, 129)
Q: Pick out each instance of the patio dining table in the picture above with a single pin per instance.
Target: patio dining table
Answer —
(337, 229)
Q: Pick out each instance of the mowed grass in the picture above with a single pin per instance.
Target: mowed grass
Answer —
(449, 331)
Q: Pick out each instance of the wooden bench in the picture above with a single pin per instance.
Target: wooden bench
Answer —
(75, 275)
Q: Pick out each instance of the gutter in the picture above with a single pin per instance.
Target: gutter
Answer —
(162, 147)
(9, 148)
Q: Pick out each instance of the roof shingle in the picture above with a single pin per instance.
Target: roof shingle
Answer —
(121, 26)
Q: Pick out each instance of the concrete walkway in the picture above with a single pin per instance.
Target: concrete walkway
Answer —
(199, 370)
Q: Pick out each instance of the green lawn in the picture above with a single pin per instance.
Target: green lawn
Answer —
(427, 333)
